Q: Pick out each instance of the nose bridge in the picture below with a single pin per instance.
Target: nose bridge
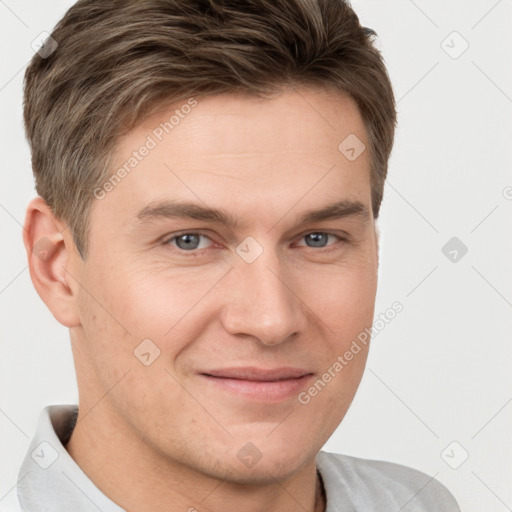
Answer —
(262, 305)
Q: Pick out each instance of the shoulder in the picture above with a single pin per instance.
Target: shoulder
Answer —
(382, 485)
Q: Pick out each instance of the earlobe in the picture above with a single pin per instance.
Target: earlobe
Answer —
(49, 253)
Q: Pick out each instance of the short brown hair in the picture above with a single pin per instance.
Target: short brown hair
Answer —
(118, 59)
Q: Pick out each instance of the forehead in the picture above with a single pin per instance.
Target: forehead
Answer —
(251, 153)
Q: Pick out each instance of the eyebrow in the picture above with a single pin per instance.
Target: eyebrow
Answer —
(167, 209)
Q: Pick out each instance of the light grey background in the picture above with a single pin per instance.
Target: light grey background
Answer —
(440, 371)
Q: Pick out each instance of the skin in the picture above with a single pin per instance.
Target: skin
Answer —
(164, 437)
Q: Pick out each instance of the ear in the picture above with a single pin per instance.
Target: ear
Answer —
(50, 250)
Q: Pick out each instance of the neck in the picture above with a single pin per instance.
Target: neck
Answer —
(135, 477)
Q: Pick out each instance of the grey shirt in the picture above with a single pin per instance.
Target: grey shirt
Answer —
(50, 480)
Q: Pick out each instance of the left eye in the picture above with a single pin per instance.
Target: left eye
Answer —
(318, 239)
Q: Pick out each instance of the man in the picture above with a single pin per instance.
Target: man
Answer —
(209, 175)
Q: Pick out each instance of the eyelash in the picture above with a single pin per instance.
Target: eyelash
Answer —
(198, 252)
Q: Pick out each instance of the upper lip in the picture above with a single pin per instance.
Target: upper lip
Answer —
(258, 374)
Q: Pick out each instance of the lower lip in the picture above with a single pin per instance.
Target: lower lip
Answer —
(265, 391)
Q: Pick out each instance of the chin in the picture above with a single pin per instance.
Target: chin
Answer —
(258, 462)
(276, 465)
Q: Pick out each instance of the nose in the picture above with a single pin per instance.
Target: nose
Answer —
(260, 302)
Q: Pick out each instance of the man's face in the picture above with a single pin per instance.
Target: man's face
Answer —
(242, 318)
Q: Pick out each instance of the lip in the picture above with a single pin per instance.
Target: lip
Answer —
(259, 384)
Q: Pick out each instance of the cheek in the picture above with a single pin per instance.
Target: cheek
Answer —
(156, 302)
(115, 316)
(342, 297)
(161, 298)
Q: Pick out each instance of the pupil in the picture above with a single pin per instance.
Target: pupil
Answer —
(189, 241)
(317, 239)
